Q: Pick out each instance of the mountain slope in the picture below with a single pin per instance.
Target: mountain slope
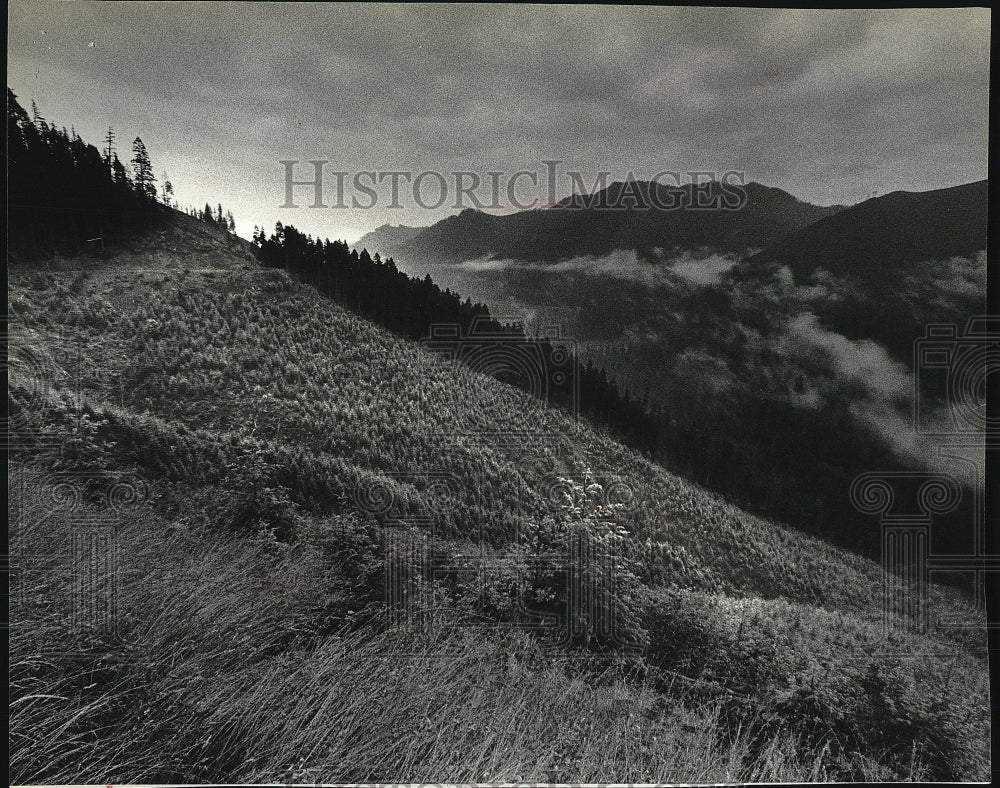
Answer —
(251, 352)
(387, 237)
(285, 445)
(638, 215)
(886, 235)
(886, 268)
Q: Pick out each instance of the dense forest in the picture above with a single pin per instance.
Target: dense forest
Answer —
(66, 196)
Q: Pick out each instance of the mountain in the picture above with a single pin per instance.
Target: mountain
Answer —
(886, 236)
(769, 367)
(386, 238)
(327, 539)
(651, 219)
(884, 269)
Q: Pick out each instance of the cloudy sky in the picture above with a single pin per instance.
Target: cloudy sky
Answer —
(832, 106)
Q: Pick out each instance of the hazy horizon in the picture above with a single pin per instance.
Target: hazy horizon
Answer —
(831, 106)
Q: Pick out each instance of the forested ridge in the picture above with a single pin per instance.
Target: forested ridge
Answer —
(66, 196)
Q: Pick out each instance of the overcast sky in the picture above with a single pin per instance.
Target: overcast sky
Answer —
(831, 106)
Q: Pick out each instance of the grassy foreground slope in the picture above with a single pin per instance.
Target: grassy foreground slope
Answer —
(278, 441)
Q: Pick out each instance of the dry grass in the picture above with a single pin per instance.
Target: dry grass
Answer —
(217, 674)
(239, 658)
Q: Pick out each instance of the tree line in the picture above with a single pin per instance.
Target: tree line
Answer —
(214, 217)
(410, 306)
(66, 195)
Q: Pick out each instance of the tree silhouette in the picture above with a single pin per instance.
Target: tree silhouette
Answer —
(167, 190)
(142, 170)
(109, 147)
(63, 192)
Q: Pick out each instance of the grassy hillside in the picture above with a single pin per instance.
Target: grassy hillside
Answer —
(274, 449)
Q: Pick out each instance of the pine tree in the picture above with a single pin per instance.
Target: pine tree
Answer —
(37, 119)
(167, 190)
(109, 142)
(119, 172)
(142, 170)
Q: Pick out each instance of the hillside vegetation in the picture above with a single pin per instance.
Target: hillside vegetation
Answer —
(280, 613)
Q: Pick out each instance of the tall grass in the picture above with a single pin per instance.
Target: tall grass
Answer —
(251, 641)
(217, 673)
(193, 380)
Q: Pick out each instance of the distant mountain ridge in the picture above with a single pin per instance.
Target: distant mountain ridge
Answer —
(639, 215)
(897, 263)
(885, 234)
(387, 237)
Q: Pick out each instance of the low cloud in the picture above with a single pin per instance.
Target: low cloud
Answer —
(620, 263)
(703, 271)
(695, 269)
(862, 362)
(879, 390)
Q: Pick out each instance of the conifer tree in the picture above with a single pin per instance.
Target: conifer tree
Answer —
(109, 148)
(142, 170)
(167, 190)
